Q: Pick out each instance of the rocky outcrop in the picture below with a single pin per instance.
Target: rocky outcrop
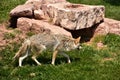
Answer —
(74, 16)
(62, 17)
(29, 9)
(108, 26)
(58, 17)
(39, 26)
(45, 1)
(22, 10)
(61, 13)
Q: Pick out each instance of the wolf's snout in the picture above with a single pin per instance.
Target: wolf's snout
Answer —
(79, 47)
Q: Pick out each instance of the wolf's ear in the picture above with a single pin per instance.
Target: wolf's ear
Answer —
(77, 40)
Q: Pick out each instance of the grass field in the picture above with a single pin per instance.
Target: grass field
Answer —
(89, 63)
(6, 6)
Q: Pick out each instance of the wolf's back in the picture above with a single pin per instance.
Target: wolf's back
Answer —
(23, 49)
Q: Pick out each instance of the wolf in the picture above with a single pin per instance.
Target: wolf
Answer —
(38, 43)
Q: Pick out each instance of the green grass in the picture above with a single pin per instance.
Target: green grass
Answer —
(88, 63)
(6, 6)
(9, 35)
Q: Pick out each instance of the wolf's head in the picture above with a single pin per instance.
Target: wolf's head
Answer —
(73, 44)
(77, 43)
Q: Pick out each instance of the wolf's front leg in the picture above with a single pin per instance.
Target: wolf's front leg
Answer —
(54, 57)
(65, 55)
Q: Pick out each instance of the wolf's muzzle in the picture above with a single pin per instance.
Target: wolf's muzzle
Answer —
(79, 47)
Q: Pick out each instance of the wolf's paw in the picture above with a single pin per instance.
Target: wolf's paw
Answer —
(39, 64)
(53, 63)
(69, 61)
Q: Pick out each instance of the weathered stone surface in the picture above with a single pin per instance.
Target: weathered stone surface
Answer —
(74, 16)
(38, 26)
(60, 12)
(39, 14)
(45, 1)
(32, 1)
(108, 26)
(31, 8)
(22, 10)
(25, 10)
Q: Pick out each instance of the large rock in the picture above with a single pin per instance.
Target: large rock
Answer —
(59, 12)
(108, 26)
(25, 10)
(74, 16)
(45, 1)
(32, 8)
(32, 1)
(38, 26)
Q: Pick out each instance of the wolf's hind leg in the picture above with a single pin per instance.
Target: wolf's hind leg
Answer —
(22, 58)
(34, 58)
(65, 55)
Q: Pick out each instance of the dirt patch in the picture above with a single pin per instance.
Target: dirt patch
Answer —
(8, 35)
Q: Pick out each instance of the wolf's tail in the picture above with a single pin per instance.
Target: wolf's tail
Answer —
(25, 46)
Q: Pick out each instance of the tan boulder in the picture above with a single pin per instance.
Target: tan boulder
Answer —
(45, 1)
(22, 11)
(74, 16)
(108, 26)
(32, 1)
(38, 26)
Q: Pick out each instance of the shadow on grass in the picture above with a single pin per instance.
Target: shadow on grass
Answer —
(44, 61)
(113, 2)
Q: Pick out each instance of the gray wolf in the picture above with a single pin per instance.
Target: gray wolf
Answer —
(38, 43)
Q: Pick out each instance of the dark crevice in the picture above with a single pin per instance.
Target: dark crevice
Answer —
(13, 22)
(86, 33)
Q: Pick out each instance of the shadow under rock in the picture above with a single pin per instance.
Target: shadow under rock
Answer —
(86, 33)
